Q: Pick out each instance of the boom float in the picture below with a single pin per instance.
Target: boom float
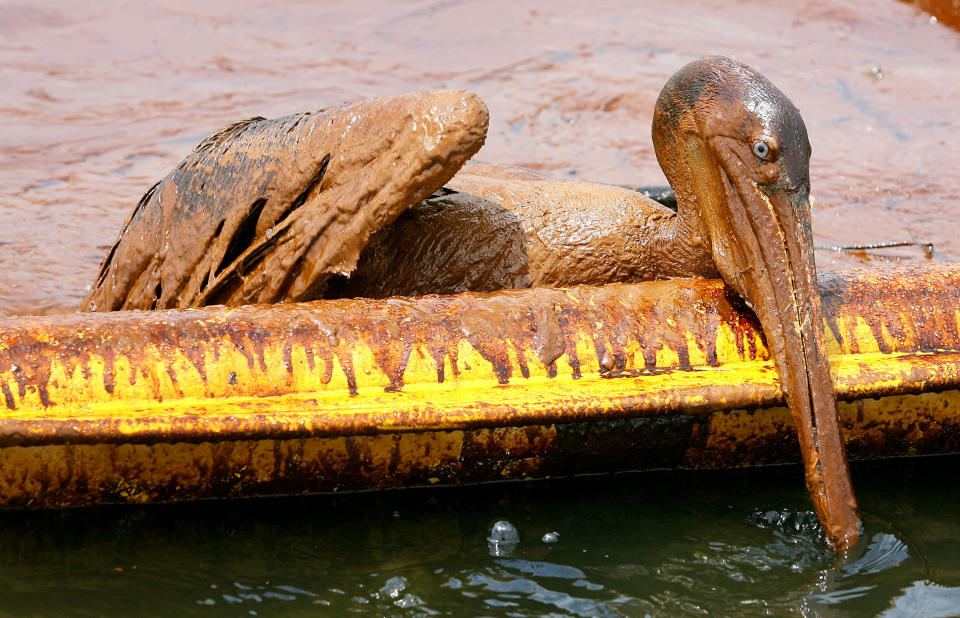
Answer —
(340, 395)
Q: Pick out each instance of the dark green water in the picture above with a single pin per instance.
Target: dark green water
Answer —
(739, 542)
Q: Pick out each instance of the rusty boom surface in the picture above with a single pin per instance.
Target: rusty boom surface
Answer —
(366, 394)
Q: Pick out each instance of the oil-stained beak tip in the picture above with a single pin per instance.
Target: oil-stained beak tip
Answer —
(774, 270)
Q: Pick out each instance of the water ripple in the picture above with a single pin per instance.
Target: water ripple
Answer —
(884, 552)
(534, 591)
(926, 599)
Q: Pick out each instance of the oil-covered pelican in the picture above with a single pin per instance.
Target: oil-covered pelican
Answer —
(735, 151)
(732, 145)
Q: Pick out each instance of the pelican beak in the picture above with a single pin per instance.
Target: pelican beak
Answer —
(762, 245)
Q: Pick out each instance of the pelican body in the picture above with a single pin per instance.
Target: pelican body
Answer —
(733, 147)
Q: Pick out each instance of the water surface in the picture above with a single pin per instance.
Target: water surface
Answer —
(672, 543)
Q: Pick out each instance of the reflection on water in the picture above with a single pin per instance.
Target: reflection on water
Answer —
(925, 599)
(740, 542)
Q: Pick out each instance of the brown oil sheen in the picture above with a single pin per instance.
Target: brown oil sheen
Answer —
(100, 102)
(944, 11)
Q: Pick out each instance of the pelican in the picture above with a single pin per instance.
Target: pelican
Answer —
(283, 210)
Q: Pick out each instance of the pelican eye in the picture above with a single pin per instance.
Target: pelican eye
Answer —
(761, 149)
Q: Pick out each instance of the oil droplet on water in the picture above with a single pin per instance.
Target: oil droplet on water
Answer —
(503, 539)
